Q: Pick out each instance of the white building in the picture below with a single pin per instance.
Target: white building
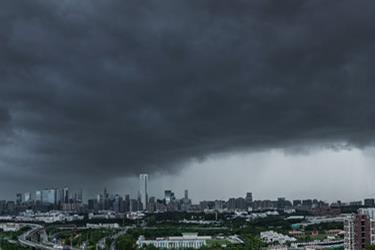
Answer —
(143, 190)
(47, 217)
(271, 237)
(187, 240)
(103, 226)
(10, 227)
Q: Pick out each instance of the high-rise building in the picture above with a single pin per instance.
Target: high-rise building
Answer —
(118, 204)
(27, 197)
(127, 203)
(92, 204)
(63, 196)
(49, 196)
(369, 202)
(38, 196)
(360, 229)
(168, 196)
(185, 202)
(18, 199)
(249, 197)
(297, 203)
(143, 190)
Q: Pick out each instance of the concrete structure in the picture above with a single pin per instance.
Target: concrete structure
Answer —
(168, 196)
(360, 229)
(27, 197)
(271, 237)
(187, 240)
(10, 227)
(143, 190)
(369, 202)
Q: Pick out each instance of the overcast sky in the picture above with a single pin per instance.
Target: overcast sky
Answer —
(221, 97)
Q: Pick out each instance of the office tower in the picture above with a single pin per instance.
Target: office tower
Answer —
(92, 204)
(249, 200)
(10, 206)
(106, 202)
(297, 203)
(105, 194)
(49, 196)
(151, 205)
(241, 203)
(186, 202)
(168, 196)
(219, 204)
(27, 197)
(118, 204)
(127, 203)
(18, 199)
(143, 190)
(369, 202)
(78, 197)
(249, 197)
(134, 205)
(231, 204)
(63, 196)
(38, 196)
(360, 229)
(281, 203)
(307, 204)
(2, 206)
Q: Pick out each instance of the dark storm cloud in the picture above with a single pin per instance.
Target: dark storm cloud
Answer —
(110, 88)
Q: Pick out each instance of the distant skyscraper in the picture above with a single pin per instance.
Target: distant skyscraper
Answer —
(66, 195)
(49, 196)
(27, 197)
(143, 189)
(38, 196)
(249, 197)
(168, 196)
(369, 202)
(63, 195)
(18, 198)
(186, 194)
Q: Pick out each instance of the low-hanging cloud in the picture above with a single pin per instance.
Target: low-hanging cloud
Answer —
(111, 88)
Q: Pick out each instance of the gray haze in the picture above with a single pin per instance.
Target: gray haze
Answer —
(94, 91)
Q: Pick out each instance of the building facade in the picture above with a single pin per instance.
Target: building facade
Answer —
(143, 190)
(187, 240)
(360, 229)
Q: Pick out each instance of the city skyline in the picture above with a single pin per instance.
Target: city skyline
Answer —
(54, 195)
(221, 183)
(209, 124)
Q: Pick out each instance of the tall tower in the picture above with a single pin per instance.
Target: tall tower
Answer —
(143, 190)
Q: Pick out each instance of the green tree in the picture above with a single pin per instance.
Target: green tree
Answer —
(126, 242)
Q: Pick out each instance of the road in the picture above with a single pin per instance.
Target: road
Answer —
(101, 243)
(116, 236)
(23, 239)
(35, 228)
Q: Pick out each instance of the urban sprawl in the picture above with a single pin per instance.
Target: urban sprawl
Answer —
(59, 219)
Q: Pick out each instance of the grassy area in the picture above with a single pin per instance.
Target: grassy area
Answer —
(6, 245)
(217, 242)
(8, 240)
